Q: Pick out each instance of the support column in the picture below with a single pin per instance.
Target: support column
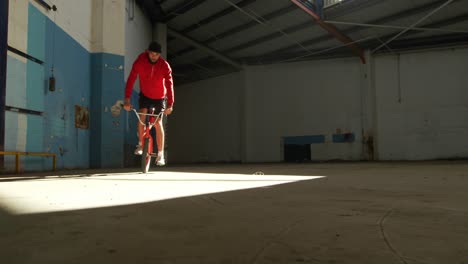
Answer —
(245, 113)
(368, 109)
(107, 124)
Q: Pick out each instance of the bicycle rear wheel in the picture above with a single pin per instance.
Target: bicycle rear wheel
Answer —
(145, 157)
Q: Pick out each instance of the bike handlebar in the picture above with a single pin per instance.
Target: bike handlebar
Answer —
(154, 115)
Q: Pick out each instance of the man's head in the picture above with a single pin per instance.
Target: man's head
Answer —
(154, 51)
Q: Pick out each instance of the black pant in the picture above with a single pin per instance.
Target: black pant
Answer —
(158, 104)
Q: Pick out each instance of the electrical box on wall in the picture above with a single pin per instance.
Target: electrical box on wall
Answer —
(52, 83)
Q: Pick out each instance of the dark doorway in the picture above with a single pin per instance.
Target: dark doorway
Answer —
(297, 152)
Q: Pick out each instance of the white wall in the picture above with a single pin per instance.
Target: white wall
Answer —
(244, 116)
(303, 99)
(138, 34)
(75, 18)
(206, 123)
(108, 26)
(415, 111)
(18, 27)
(82, 20)
(422, 105)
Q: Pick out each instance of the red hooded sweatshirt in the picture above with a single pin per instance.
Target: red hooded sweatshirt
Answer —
(155, 79)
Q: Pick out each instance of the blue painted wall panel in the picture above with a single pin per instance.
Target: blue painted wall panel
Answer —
(34, 142)
(35, 133)
(35, 86)
(11, 138)
(95, 111)
(71, 68)
(25, 83)
(108, 131)
(16, 84)
(11, 132)
(113, 127)
(24, 133)
(93, 81)
(36, 33)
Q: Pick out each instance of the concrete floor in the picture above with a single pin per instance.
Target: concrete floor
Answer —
(405, 212)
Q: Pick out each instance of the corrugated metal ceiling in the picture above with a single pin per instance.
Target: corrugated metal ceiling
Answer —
(208, 38)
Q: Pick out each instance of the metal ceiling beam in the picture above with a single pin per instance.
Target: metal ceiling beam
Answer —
(215, 16)
(449, 37)
(394, 27)
(262, 21)
(240, 28)
(341, 51)
(203, 47)
(269, 37)
(212, 18)
(333, 12)
(272, 15)
(343, 9)
(320, 52)
(351, 5)
(324, 52)
(348, 6)
(152, 10)
(430, 41)
(410, 12)
(265, 22)
(413, 25)
(396, 16)
(448, 22)
(295, 28)
(182, 9)
(453, 38)
(333, 30)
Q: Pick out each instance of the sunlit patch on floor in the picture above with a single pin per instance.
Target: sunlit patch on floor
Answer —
(74, 193)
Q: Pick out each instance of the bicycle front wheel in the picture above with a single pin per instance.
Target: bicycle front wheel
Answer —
(145, 157)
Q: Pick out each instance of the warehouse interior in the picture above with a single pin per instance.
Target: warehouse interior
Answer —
(303, 131)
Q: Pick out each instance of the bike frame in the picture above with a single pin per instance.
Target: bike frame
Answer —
(147, 139)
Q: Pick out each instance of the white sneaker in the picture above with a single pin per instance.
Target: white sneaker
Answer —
(160, 161)
(138, 150)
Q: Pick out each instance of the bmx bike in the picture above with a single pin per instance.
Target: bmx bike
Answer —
(147, 140)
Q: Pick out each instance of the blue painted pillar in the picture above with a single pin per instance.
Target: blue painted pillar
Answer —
(3, 70)
(107, 130)
(107, 86)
